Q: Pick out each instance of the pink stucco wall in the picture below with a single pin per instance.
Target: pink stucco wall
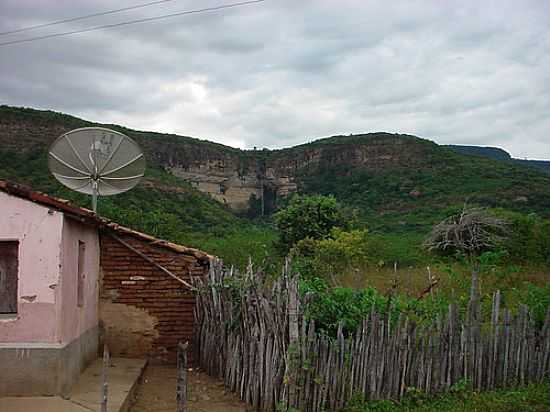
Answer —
(74, 319)
(47, 310)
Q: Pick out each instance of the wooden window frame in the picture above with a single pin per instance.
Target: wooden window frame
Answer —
(13, 282)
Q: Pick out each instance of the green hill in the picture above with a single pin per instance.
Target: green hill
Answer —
(161, 205)
(432, 182)
(500, 154)
(398, 183)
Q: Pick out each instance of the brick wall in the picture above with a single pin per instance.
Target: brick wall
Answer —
(145, 312)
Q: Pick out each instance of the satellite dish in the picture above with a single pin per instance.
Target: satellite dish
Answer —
(96, 161)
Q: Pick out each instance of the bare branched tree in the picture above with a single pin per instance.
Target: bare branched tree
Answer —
(472, 231)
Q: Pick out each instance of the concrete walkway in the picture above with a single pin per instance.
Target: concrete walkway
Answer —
(123, 377)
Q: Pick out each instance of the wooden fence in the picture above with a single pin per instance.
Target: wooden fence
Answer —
(260, 344)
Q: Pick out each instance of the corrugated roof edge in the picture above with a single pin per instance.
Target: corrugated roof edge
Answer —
(87, 216)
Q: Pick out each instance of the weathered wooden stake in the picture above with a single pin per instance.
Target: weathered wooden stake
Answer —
(104, 377)
(430, 282)
(181, 390)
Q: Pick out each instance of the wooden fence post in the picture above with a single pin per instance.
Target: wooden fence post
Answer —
(104, 377)
(181, 389)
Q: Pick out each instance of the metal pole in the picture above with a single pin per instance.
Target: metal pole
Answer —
(94, 175)
(94, 196)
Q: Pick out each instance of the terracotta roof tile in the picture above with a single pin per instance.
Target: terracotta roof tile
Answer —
(89, 217)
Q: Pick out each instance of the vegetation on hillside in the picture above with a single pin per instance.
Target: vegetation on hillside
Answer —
(397, 205)
(500, 154)
(412, 200)
(43, 118)
(162, 205)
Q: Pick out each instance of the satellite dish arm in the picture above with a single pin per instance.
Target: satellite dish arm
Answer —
(128, 163)
(64, 163)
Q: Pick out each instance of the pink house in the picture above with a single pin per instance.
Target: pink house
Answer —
(49, 270)
(67, 273)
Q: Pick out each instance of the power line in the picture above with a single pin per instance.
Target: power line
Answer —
(104, 13)
(126, 23)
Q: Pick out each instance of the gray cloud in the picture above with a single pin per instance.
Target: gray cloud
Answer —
(284, 72)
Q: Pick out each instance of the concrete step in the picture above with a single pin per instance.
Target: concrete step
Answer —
(123, 376)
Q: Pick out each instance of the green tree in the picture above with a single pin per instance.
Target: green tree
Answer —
(340, 253)
(310, 217)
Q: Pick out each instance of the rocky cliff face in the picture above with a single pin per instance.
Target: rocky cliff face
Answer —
(235, 177)
(229, 175)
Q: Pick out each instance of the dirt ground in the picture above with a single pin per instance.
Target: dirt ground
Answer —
(157, 393)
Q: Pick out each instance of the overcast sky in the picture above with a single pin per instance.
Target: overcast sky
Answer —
(284, 72)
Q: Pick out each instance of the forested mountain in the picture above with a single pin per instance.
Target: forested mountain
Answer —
(196, 190)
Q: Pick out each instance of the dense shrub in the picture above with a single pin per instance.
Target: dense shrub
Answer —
(528, 239)
(331, 306)
(310, 217)
(338, 253)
